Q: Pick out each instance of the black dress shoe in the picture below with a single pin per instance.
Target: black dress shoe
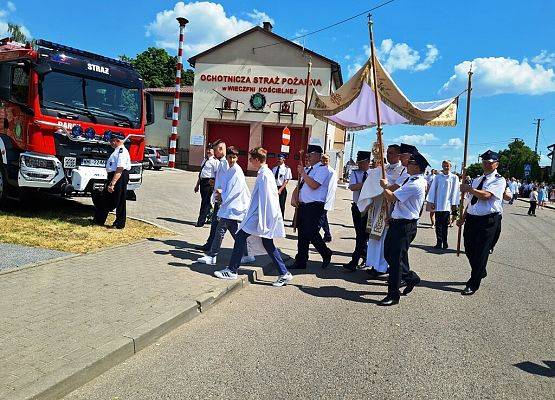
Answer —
(327, 239)
(297, 265)
(409, 287)
(437, 246)
(199, 225)
(388, 301)
(203, 247)
(484, 274)
(468, 291)
(326, 260)
(351, 266)
(402, 283)
(373, 273)
(445, 246)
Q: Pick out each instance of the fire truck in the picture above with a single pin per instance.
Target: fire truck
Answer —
(58, 109)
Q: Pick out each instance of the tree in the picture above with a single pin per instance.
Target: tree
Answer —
(474, 170)
(16, 33)
(157, 68)
(513, 159)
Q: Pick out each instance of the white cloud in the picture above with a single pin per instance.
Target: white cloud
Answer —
(454, 143)
(500, 75)
(544, 58)
(415, 139)
(259, 17)
(208, 26)
(397, 57)
(545, 160)
(4, 18)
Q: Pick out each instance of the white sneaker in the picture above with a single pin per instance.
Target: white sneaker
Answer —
(225, 274)
(207, 260)
(247, 259)
(283, 280)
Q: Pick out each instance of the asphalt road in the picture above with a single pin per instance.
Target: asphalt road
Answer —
(324, 337)
(13, 255)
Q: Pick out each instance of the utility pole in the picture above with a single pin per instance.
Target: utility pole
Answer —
(537, 123)
(352, 144)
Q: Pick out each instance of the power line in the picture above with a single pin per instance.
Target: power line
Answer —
(327, 27)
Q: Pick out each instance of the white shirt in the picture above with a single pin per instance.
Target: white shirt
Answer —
(402, 178)
(410, 198)
(444, 191)
(284, 174)
(394, 171)
(119, 158)
(357, 175)
(495, 184)
(321, 174)
(332, 188)
(209, 168)
(513, 186)
(534, 195)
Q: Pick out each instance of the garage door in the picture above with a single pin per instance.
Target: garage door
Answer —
(271, 141)
(236, 135)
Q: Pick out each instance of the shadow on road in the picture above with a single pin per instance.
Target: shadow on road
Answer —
(433, 250)
(177, 221)
(537, 369)
(340, 293)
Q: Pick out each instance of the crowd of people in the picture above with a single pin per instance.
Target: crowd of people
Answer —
(388, 198)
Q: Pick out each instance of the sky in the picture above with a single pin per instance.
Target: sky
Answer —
(426, 45)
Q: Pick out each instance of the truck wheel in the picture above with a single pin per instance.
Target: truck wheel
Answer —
(3, 187)
(150, 165)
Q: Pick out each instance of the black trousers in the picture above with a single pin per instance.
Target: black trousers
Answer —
(400, 234)
(325, 225)
(309, 215)
(206, 189)
(282, 201)
(532, 209)
(361, 240)
(479, 235)
(106, 201)
(442, 226)
(213, 225)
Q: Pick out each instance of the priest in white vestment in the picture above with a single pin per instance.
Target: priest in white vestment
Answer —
(443, 195)
(263, 219)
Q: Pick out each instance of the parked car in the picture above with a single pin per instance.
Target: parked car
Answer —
(155, 158)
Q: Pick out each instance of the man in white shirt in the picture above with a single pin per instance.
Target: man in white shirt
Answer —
(114, 195)
(513, 187)
(356, 182)
(407, 202)
(330, 199)
(312, 193)
(482, 218)
(443, 195)
(282, 175)
(219, 148)
(205, 183)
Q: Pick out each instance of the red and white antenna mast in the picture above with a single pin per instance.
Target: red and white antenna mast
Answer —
(175, 120)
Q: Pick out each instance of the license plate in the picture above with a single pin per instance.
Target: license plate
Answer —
(70, 162)
(89, 162)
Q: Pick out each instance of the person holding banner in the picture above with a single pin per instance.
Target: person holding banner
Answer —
(407, 202)
(482, 218)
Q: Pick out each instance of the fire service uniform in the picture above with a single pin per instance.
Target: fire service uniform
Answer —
(117, 199)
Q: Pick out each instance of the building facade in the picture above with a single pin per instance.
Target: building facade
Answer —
(249, 88)
(158, 134)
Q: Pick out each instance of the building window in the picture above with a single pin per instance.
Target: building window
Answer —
(168, 110)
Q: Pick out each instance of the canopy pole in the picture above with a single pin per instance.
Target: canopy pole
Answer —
(463, 168)
(303, 135)
(376, 96)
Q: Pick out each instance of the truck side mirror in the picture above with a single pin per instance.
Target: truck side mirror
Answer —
(5, 81)
(42, 68)
(149, 102)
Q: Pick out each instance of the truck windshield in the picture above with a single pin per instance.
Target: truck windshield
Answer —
(91, 96)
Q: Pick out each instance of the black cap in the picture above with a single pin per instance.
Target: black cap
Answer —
(408, 148)
(363, 156)
(420, 160)
(490, 156)
(117, 135)
(314, 148)
(282, 155)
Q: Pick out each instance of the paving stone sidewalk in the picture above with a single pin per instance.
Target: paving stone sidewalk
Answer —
(54, 314)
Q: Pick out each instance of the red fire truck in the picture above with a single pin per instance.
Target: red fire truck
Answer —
(58, 108)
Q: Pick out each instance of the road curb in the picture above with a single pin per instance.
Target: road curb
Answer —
(76, 373)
